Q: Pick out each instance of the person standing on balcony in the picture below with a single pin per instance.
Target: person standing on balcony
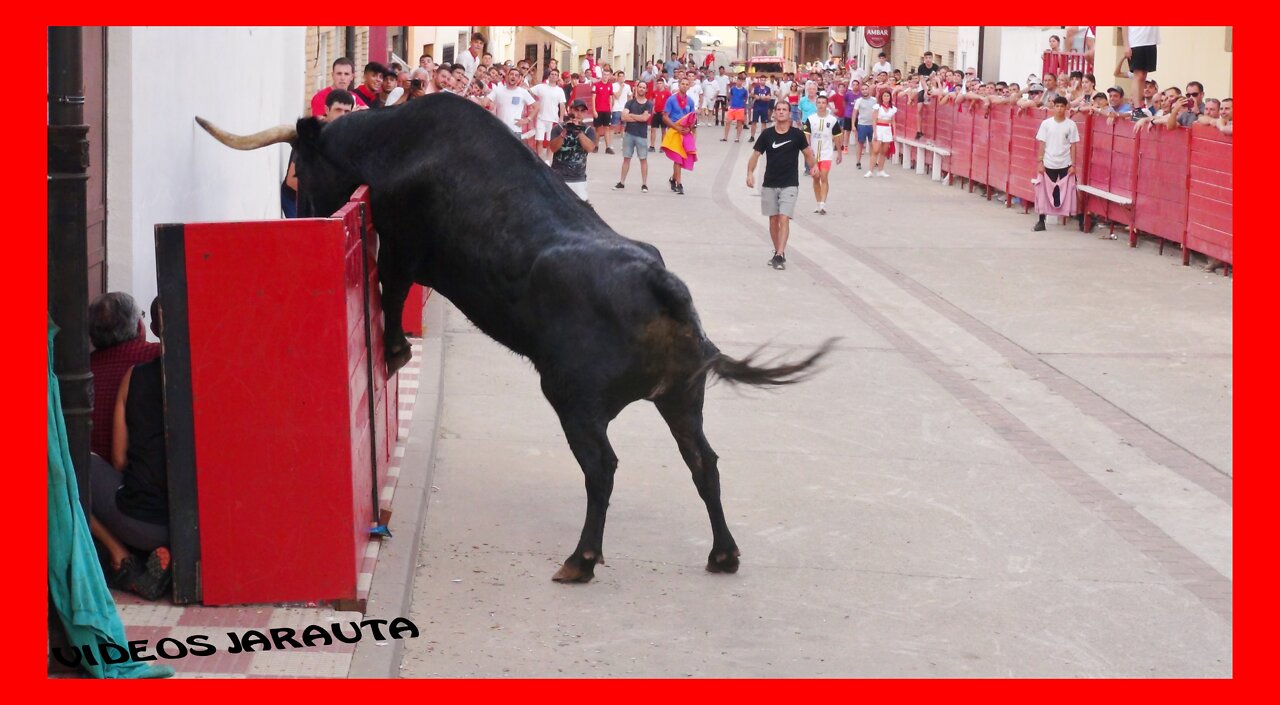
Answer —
(1140, 49)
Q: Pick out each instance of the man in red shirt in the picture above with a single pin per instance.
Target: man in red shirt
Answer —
(659, 91)
(342, 74)
(603, 92)
(582, 91)
(119, 342)
(369, 91)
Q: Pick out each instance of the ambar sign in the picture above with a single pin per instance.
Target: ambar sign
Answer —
(877, 36)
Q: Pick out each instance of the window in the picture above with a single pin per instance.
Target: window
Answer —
(531, 52)
(447, 56)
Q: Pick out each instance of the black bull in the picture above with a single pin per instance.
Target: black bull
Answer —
(463, 207)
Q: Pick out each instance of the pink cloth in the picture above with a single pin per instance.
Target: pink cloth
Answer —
(1067, 193)
(688, 144)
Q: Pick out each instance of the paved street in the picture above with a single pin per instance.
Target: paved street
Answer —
(1016, 463)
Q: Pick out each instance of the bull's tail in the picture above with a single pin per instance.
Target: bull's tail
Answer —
(769, 374)
(675, 299)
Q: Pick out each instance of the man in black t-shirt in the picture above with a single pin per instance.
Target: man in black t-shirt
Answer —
(636, 117)
(924, 71)
(781, 144)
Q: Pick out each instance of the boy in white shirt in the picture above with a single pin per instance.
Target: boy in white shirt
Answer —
(1056, 142)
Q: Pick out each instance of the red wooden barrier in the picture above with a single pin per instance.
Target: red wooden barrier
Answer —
(962, 142)
(981, 150)
(999, 149)
(928, 120)
(1210, 199)
(1178, 181)
(944, 118)
(1059, 63)
(1160, 208)
(1124, 174)
(278, 421)
(1023, 165)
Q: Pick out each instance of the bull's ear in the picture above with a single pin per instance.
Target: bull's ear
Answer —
(309, 131)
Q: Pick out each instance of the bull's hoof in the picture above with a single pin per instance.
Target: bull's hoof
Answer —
(723, 561)
(398, 357)
(576, 570)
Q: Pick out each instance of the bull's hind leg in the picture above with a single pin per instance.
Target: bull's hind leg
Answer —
(683, 414)
(587, 435)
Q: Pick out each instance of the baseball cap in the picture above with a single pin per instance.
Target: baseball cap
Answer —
(1116, 89)
(1035, 88)
(579, 103)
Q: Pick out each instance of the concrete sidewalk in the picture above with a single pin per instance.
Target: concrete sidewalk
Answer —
(1016, 463)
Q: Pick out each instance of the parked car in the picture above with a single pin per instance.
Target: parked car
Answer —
(707, 38)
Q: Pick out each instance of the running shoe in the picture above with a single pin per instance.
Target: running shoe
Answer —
(680, 189)
(672, 183)
(608, 150)
(868, 175)
(156, 579)
(124, 576)
(619, 186)
(884, 174)
(778, 262)
(644, 188)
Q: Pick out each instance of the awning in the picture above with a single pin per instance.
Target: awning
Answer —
(563, 39)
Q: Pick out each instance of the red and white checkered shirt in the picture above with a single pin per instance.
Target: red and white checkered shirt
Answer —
(108, 367)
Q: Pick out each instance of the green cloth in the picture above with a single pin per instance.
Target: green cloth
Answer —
(76, 583)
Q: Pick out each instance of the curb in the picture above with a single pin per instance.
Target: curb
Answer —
(391, 592)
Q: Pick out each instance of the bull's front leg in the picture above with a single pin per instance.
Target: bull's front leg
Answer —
(396, 349)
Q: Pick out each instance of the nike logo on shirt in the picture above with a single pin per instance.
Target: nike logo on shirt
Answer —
(779, 144)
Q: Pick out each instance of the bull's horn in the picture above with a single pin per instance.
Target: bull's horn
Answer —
(274, 135)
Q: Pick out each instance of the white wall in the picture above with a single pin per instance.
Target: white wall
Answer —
(1014, 52)
(161, 167)
(966, 48)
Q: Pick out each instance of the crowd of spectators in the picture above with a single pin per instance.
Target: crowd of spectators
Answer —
(534, 100)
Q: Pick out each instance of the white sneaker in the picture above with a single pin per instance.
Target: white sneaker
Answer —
(818, 209)
(868, 175)
(884, 174)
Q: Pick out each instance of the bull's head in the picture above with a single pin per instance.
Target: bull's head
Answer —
(323, 187)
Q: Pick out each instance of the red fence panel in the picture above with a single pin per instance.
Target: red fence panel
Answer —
(1210, 198)
(1160, 207)
(1100, 155)
(1124, 165)
(900, 118)
(944, 118)
(1023, 165)
(981, 149)
(962, 142)
(998, 164)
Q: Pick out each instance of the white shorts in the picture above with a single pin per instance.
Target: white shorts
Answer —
(543, 129)
(578, 187)
(884, 133)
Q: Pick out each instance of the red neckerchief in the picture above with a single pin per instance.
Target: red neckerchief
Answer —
(683, 100)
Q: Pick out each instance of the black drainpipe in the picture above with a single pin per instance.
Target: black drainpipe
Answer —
(349, 38)
(68, 292)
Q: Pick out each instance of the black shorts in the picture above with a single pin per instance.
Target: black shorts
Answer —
(720, 102)
(657, 120)
(1144, 59)
(920, 97)
(760, 115)
(603, 120)
(847, 125)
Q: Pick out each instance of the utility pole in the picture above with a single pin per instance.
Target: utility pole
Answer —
(68, 266)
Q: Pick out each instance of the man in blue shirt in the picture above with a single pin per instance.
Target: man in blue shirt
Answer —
(737, 108)
(678, 106)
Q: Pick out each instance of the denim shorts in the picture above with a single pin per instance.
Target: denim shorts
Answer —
(616, 117)
(632, 144)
